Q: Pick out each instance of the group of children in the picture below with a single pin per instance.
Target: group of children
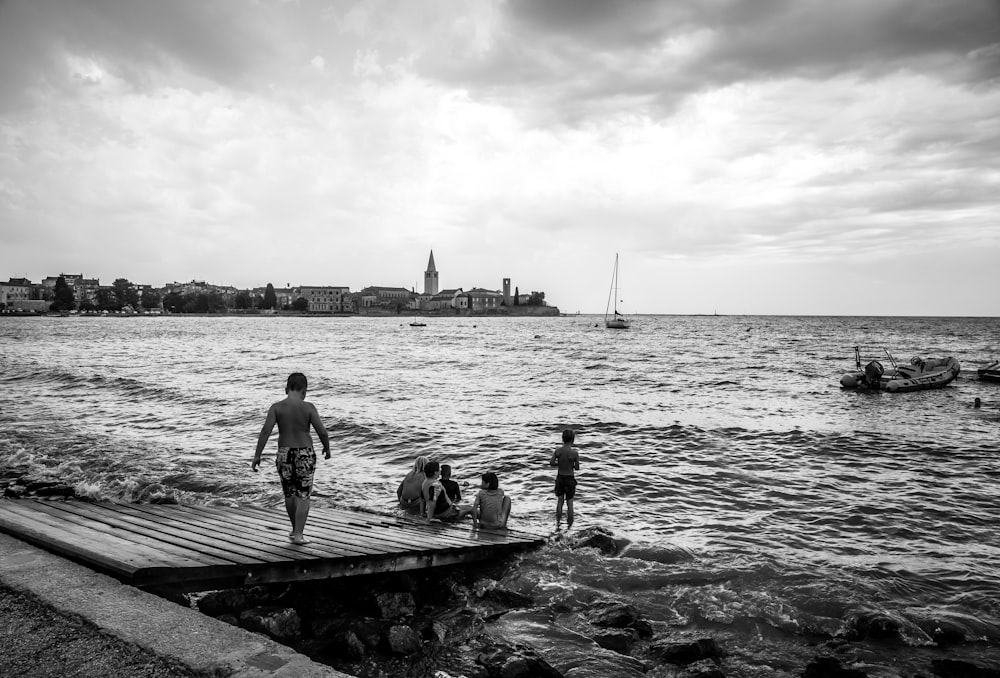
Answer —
(427, 489)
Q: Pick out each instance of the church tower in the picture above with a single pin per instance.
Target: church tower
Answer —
(431, 277)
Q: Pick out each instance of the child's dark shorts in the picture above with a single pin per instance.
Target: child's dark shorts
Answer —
(566, 486)
(295, 468)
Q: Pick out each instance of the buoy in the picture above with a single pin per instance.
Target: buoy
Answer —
(849, 381)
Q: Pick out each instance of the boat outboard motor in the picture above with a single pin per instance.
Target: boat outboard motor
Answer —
(873, 374)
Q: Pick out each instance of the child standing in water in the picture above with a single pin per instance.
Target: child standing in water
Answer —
(296, 461)
(567, 459)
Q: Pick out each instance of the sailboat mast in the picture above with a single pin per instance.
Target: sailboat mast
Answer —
(614, 289)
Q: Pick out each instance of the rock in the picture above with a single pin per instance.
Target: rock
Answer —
(439, 630)
(956, 668)
(458, 625)
(619, 616)
(404, 640)
(829, 667)
(514, 661)
(599, 538)
(943, 631)
(705, 668)
(56, 490)
(228, 601)
(368, 631)
(282, 624)
(395, 605)
(347, 646)
(873, 626)
(687, 653)
(14, 492)
(565, 650)
(34, 486)
(506, 598)
(616, 640)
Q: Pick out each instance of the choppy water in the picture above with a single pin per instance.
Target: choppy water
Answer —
(762, 502)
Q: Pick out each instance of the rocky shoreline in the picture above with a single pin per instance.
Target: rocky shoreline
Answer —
(500, 620)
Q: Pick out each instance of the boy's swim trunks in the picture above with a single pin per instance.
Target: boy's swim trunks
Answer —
(566, 486)
(295, 467)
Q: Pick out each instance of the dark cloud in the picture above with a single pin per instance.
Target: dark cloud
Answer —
(132, 39)
(588, 58)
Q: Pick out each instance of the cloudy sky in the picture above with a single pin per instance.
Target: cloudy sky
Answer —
(759, 157)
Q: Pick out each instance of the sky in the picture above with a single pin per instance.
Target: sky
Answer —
(800, 157)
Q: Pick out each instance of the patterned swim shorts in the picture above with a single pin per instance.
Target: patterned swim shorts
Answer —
(295, 467)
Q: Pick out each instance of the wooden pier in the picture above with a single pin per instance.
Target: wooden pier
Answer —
(201, 548)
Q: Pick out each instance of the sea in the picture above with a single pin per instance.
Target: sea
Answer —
(757, 502)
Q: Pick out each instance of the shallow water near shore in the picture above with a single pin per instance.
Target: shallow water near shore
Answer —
(761, 503)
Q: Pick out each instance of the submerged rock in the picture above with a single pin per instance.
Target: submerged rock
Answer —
(830, 667)
(956, 668)
(599, 538)
(616, 640)
(686, 653)
(618, 616)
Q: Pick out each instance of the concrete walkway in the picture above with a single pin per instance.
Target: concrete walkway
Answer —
(60, 616)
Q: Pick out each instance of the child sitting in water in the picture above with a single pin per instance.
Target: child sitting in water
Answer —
(491, 508)
(436, 502)
(409, 491)
(449, 485)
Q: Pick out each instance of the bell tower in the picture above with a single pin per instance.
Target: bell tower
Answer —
(431, 277)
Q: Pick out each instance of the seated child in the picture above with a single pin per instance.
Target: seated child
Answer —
(454, 493)
(449, 485)
(491, 508)
(436, 502)
(409, 491)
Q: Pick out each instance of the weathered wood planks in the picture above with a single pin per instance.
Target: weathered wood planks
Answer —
(193, 548)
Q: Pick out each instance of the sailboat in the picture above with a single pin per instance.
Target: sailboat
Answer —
(618, 321)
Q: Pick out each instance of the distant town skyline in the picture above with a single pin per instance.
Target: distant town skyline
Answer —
(431, 269)
(799, 157)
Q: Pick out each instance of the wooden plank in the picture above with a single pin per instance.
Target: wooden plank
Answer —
(192, 548)
(205, 528)
(190, 518)
(321, 544)
(120, 519)
(401, 531)
(124, 558)
(341, 530)
(109, 540)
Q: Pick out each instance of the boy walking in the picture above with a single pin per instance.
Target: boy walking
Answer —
(567, 459)
(296, 461)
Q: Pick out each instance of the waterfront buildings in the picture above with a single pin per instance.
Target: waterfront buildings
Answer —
(178, 297)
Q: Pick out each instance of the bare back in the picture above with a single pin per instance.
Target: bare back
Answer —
(294, 416)
(567, 459)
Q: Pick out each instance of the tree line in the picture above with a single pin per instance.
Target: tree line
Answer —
(123, 296)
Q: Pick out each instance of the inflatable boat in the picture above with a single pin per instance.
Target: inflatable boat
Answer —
(918, 375)
(991, 372)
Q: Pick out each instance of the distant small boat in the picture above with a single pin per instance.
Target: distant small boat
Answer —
(991, 372)
(618, 321)
(418, 324)
(920, 374)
